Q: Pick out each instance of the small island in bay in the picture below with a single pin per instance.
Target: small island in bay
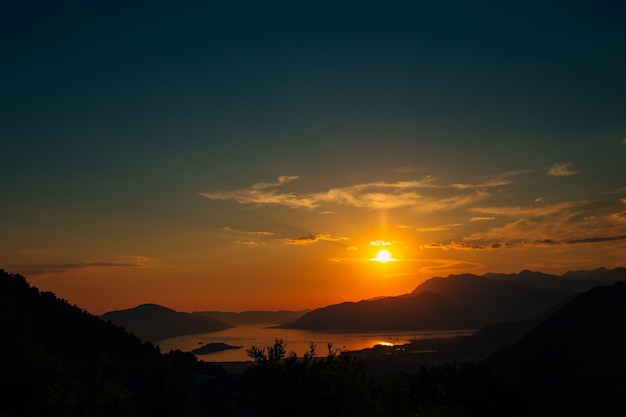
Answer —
(212, 348)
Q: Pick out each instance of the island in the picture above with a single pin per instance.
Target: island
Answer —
(212, 348)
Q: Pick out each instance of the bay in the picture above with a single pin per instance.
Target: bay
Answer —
(298, 341)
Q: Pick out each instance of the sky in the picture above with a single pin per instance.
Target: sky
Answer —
(239, 155)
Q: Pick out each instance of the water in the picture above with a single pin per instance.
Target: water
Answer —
(262, 335)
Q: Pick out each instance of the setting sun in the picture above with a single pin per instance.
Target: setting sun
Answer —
(383, 256)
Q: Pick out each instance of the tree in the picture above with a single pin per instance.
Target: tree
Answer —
(281, 383)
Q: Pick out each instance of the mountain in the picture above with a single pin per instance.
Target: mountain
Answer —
(253, 317)
(425, 311)
(490, 338)
(459, 302)
(153, 322)
(59, 360)
(573, 362)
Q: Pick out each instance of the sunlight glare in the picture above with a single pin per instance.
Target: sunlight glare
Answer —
(383, 256)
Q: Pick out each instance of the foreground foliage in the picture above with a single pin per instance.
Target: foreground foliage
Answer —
(281, 384)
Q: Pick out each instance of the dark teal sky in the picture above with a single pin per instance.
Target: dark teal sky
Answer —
(115, 117)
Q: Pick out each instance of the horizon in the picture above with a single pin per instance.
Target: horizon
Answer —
(240, 157)
(278, 309)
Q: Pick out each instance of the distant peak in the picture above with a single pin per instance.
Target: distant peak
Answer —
(150, 306)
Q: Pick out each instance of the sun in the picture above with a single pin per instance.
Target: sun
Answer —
(383, 256)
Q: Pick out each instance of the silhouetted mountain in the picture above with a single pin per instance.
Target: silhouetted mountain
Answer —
(426, 311)
(59, 360)
(153, 322)
(573, 362)
(459, 302)
(253, 317)
(490, 338)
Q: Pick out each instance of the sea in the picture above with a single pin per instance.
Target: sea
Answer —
(298, 341)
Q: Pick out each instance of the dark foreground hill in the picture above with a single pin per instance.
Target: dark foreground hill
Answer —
(573, 361)
(58, 360)
(153, 322)
(463, 301)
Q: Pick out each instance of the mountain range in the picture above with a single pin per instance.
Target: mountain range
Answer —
(463, 301)
(56, 359)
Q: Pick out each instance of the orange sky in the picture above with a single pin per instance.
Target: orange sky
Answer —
(253, 155)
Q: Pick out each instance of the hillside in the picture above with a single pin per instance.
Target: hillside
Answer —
(58, 360)
(153, 322)
(573, 362)
(463, 301)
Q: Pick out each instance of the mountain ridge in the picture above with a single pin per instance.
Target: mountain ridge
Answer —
(464, 301)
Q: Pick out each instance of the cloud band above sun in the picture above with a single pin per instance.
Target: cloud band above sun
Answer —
(415, 194)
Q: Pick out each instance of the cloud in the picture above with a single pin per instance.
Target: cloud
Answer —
(619, 217)
(616, 191)
(481, 218)
(250, 237)
(283, 179)
(98, 264)
(257, 233)
(518, 211)
(126, 262)
(561, 169)
(435, 266)
(441, 228)
(569, 223)
(313, 238)
(249, 242)
(462, 246)
(415, 194)
(379, 243)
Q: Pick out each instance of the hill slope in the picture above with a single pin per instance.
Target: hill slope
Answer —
(458, 302)
(153, 322)
(58, 360)
(573, 362)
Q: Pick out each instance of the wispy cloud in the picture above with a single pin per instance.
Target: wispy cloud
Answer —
(481, 218)
(379, 243)
(440, 228)
(616, 191)
(437, 266)
(126, 262)
(562, 169)
(373, 195)
(283, 179)
(568, 223)
(250, 237)
(313, 238)
(245, 232)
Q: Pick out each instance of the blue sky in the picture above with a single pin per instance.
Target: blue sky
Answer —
(176, 154)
